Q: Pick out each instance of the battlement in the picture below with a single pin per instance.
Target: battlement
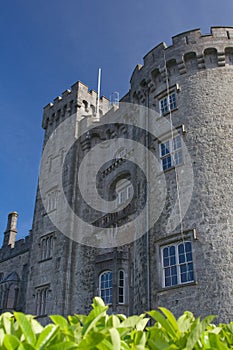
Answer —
(20, 247)
(78, 96)
(190, 51)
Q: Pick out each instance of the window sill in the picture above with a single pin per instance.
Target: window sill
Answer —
(177, 286)
(167, 113)
(171, 168)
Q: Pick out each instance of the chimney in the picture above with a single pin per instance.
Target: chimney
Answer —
(10, 233)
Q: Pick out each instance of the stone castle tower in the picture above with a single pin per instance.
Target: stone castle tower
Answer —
(186, 267)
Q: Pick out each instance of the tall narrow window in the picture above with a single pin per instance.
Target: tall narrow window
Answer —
(41, 300)
(177, 264)
(171, 152)
(105, 286)
(47, 243)
(121, 287)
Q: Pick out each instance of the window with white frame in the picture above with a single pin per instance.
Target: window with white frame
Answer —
(124, 191)
(167, 103)
(105, 286)
(121, 287)
(177, 262)
(41, 300)
(171, 152)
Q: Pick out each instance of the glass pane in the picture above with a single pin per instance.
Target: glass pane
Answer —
(173, 271)
(166, 262)
(172, 250)
(174, 280)
(188, 247)
(167, 272)
(165, 252)
(172, 260)
(181, 258)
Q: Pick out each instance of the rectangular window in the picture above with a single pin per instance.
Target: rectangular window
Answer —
(125, 194)
(46, 245)
(177, 262)
(41, 300)
(121, 287)
(171, 152)
(167, 104)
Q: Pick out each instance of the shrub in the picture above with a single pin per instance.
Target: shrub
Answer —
(101, 331)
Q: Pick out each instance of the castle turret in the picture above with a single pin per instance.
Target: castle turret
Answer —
(11, 230)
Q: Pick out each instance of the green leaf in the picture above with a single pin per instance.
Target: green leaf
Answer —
(10, 342)
(92, 319)
(64, 346)
(171, 319)
(7, 320)
(26, 327)
(46, 336)
(115, 337)
(157, 316)
(97, 301)
(59, 321)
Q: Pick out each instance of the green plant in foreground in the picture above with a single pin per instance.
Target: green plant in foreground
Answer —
(100, 331)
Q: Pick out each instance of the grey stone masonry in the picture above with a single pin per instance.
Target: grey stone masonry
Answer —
(184, 266)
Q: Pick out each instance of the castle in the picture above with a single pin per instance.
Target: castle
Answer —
(185, 267)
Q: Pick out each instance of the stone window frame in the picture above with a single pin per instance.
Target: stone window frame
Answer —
(124, 191)
(168, 103)
(175, 239)
(178, 268)
(171, 151)
(106, 286)
(121, 287)
(47, 246)
(52, 197)
(42, 293)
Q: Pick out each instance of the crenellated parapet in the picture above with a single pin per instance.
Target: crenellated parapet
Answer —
(77, 98)
(189, 53)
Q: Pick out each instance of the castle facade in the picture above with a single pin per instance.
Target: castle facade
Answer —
(182, 265)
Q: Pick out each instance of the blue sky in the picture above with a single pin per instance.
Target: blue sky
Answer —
(46, 46)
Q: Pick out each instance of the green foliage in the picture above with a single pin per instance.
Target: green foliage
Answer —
(100, 331)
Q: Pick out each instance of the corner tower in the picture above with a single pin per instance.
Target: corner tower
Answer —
(191, 83)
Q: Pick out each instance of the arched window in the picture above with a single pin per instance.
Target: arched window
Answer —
(121, 287)
(105, 286)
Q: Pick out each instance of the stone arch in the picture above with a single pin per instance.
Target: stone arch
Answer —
(190, 60)
(84, 105)
(92, 107)
(229, 55)
(211, 57)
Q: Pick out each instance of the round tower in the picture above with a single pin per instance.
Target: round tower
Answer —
(191, 82)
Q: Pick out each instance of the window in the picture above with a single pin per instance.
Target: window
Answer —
(167, 103)
(177, 262)
(125, 194)
(12, 296)
(121, 287)
(47, 243)
(41, 300)
(51, 200)
(105, 286)
(171, 152)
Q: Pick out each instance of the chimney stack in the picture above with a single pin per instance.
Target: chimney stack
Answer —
(11, 231)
